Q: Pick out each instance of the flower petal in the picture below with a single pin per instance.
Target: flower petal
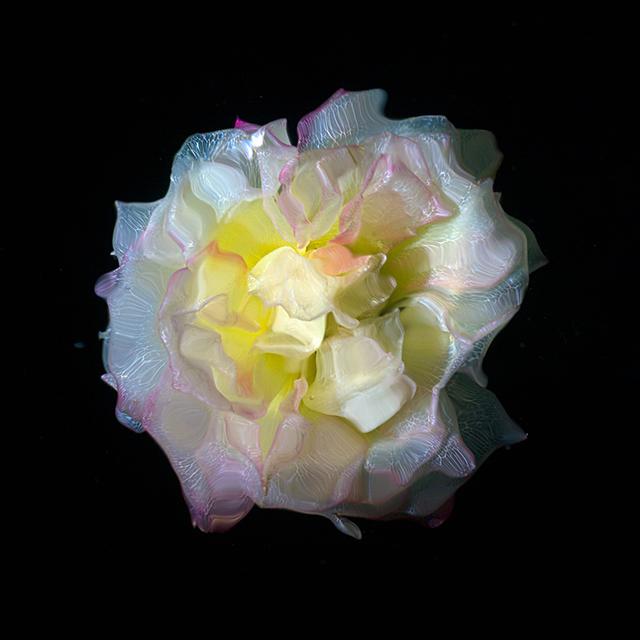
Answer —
(248, 231)
(395, 204)
(132, 220)
(300, 286)
(285, 278)
(220, 186)
(322, 468)
(478, 152)
(351, 117)
(292, 338)
(135, 355)
(220, 482)
(358, 380)
(476, 249)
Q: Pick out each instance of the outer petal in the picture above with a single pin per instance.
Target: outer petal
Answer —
(319, 461)
(219, 482)
(134, 354)
(476, 249)
(394, 205)
(220, 170)
(484, 427)
(132, 220)
(352, 117)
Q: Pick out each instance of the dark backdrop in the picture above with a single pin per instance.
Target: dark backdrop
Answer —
(557, 108)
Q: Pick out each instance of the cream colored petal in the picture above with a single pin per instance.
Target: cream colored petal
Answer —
(324, 455)
(286, 278)
(358, 380)
(291, 337)
(305, 291)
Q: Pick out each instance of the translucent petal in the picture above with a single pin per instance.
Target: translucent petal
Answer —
(429, 351)
(484, 425)
(210, 324)
(156, 243)
(395, 204)
(478, 152)
(131, 222)
(232, 147)
(535, 257)
(135, 355)
(351, 117)
(220, 186)
(323, 469)
(219, 481)
(476, 249)
(363, 291)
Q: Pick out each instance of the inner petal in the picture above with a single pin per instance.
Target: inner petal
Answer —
(292, 338)
(358, 380)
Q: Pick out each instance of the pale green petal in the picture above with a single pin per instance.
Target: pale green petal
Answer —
(429, 350)
(478, 152)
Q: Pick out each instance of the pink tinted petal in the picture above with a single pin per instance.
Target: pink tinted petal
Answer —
(346, 118)
(245, 126)
(337, 259)
(395, 204)
(220, 483)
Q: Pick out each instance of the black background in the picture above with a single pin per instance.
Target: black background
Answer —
(554, 95)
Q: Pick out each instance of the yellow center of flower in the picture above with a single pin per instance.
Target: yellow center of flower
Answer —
(285, 312)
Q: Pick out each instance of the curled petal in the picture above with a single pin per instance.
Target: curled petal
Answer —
(306, 292)
(291, 337)
(358, 380)
(395, 204)
(220, 186)
(479, 153)
(288, 279)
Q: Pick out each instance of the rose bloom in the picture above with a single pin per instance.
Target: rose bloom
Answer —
(303, 327)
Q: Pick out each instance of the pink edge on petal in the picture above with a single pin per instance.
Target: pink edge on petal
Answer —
(245, 126)
(441, 514)
(304, 123)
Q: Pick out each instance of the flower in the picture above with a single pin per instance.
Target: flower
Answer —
(303, 327)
